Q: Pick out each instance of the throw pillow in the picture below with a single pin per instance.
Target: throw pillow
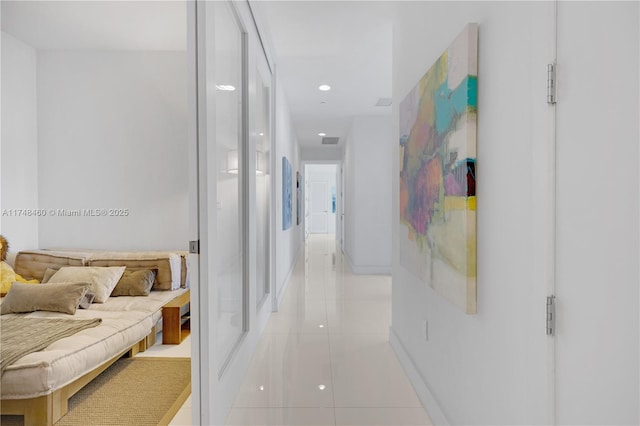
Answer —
(103, 279)
(62, 297)
(135, 283)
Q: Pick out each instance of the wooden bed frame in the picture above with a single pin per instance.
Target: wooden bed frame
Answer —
(47, 409)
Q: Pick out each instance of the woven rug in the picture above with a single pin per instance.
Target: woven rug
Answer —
(133, 391)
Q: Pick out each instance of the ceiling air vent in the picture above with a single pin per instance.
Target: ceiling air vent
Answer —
(330, 140)
(383, 102)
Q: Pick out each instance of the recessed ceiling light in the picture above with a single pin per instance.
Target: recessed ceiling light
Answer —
(322, 387)
(324, 87)
(261, 134)
(225, 87)
(322, 134)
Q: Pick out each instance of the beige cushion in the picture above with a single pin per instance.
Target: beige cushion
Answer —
(184, 269)
(48, 273)
(168, 265)
(135, 283)
(60, 297)
(172, 266)
(103, 279)
(32, 264)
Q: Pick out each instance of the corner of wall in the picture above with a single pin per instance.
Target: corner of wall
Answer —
(367, 269)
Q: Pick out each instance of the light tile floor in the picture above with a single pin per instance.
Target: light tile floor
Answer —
(325, 358)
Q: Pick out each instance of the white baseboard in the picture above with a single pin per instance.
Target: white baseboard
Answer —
(417, 380)
(367, 270)
(287, 280)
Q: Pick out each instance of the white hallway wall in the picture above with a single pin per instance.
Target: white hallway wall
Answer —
(288, 242)
(112, 130)
(491, 368)
(487, 368)
(19, 144)
(367, 182)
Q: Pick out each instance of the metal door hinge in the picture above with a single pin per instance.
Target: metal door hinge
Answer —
(194, 247)
(551, 315)
(551, 83)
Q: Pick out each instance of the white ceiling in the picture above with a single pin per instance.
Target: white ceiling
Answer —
(344, 44)
(97, 25)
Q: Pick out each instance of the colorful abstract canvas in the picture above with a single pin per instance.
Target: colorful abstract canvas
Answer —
(287, 194)
(438, 173)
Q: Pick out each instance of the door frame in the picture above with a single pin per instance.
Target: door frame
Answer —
(194, 82)
(339, 185)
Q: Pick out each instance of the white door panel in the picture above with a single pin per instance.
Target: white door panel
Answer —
(319, 201)
(597, 214)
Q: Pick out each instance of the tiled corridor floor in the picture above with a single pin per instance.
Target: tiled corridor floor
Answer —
(325, 358)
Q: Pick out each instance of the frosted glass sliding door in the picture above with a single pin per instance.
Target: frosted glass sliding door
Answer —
(262, 132)
(229, 54)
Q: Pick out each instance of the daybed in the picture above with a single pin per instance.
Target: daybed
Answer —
(39, 384)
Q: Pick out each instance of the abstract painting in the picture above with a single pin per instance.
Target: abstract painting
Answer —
(287, 194)
(438, 173)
